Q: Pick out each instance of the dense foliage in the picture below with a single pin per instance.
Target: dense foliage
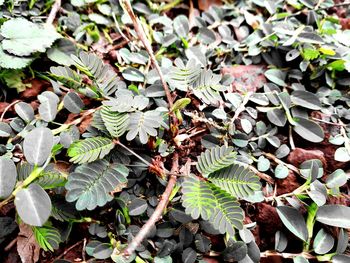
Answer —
(227, 129)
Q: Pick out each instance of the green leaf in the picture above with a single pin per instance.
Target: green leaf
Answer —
(306, 99)
(180, 104)
(73, 102)
(48, 105)
(90, 149)
(336, 179)
(236, 180)
(197, 198)
(207, 87)
(47, 237)
(300, 259)
(334, 215)
(50, 179)
(342, 155)
(294, 221)
(22, 37)
(116, 123)
(8, 176)
(323, 242)
(277, 117)
(281, 241)
(13, 62)
(277, 76)
(215, 159)
(90, 184)
(310, 54)
(228, 215)
(37, 145)
(25, 111)
(181, 26)
(143, 124)
(281, 171)
(33, 205)
(309, 130)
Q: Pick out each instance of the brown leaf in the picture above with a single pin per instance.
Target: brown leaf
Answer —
(204, 5)
(37, 86)
(27, 247)
(250, 77)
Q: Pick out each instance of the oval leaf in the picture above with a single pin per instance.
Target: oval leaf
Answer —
(309, 130)
(8, 175)
(33, 205)
(294, 221)
(334, 215)
(323, 242)
(37, 145)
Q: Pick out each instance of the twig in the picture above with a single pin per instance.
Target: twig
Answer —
(141, 34)
(132, 152)
(10, 245)
(297, 191)
(142, 234)
(69, 249)
(55, 7)
(270, 253)
(7, 108)
(263, 176)
(278, 161)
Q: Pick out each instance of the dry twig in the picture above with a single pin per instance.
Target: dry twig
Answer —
(142, 234)
(55, 7)
(141, 34)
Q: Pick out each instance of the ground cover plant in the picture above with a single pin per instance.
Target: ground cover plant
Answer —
(176, 131)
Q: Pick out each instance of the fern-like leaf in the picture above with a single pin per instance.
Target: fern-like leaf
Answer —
(51, 179)
(228, 215)
(47, 237)
(105, 78)
(115, 122)
(90, 149)
(67, 77)
(143, 124)
(215, 159)
(198, 198)
(236, 180)
(183, 76)
(90, 184)
(207, 87)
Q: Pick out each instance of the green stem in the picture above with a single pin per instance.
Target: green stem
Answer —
(310, 221)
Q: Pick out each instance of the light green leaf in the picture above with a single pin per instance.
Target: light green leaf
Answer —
(309, 130)
(33, 205)
(8, 176)
(336, 179)
(323, 242)
(37, 145)
(342, 155)
(294, 221)
(22, 37)
(334, 215)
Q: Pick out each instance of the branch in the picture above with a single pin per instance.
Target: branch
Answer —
(142, 234)
(56, 6)
(269, 253)
(263, 176)
(141, 34)
(278, 161)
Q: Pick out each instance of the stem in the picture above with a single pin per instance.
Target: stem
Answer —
(33, 175)
(7, 108)
(157, 215)
(141, 34)
(263, 176)
(170, 5)
(310, 221)
(133, 153)
(269, 253)
(299, 190)
(56, 6)
(278, 161)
